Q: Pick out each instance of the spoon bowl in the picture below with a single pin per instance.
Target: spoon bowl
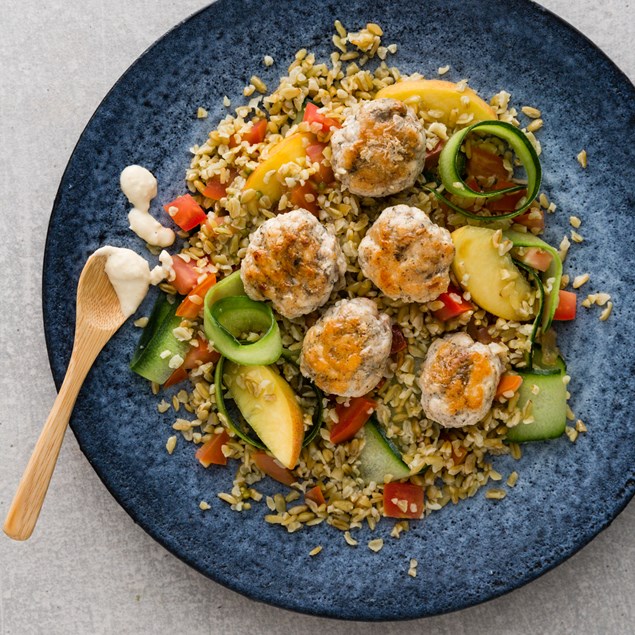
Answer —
(97, 303)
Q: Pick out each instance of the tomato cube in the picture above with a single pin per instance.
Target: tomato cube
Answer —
(566, 306)
(352, 418)
(453, 305)
(186, 212)
(211, 453)
(403, 500)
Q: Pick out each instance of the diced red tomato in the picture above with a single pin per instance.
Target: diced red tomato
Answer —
(432, 156)
(509, 382)
(179, 375)
(272, 468)
(323, 176)
(256, 134)
(535, 258)
(403, 500)
(214, 189)
(315, 154)
(316, 495)
(507, 202)
(199, 355)
(186, 276)
(196, 356)
(312, 115)
(533, 218)
(473, 184)
(485, 164)
(352, 418)
(398, 340)
(566, 306)
(453, 305)
(193, 303)
(211, 453)
(188, 215)
(298, 196)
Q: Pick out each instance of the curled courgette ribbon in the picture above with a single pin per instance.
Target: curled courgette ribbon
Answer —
(227, 318)
(228, 313)
(548, 286)
(450, 168)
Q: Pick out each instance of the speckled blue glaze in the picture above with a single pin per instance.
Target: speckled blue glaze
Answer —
(467, 553)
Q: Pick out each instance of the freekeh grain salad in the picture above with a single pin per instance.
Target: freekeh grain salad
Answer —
(362, 308)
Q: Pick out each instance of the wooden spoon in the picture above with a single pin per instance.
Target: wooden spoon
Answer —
(98, 317)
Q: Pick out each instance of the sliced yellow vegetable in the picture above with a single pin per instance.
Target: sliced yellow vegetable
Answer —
(493, 280)
(289, 150)
(270, 407)
(437, 94)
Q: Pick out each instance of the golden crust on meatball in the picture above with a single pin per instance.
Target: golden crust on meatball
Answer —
(407, 255)
(458, 380)
(346, 352)
(294, 262)
(380, 149)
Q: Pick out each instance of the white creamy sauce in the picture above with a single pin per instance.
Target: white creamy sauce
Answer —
(140, 187)
(130, 275)
(166, 267)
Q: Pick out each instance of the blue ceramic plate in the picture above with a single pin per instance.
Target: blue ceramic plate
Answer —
(467, 553)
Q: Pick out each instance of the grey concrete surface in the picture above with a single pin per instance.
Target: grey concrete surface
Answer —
(89, 568)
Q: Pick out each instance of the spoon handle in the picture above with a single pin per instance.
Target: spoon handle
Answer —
(29, 497)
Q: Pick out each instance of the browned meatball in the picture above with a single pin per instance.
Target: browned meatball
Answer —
(346, 351)
(380, 149)
(458, 380)
(406, 255)
(294, 262)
